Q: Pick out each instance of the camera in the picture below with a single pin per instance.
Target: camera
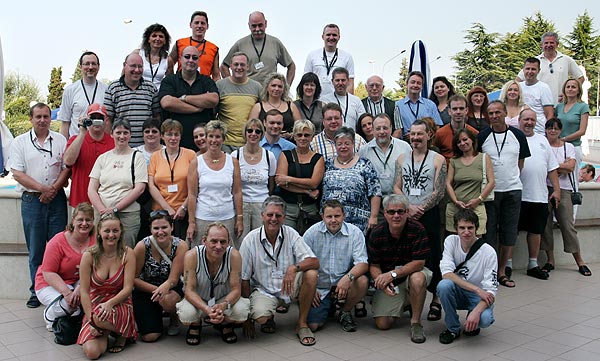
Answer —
(86, 122)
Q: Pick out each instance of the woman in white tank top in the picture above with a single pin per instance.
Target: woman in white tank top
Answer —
(154, 51)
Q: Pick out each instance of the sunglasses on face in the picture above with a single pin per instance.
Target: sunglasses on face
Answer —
(391, 212)
(305, 135)
(255, 131)
(194, 57)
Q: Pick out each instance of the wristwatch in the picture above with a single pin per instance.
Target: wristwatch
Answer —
(393, 274)
(115, 210)
(297, 268)
(351, 276)
(183, 97)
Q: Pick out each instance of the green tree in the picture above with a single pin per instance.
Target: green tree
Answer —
(76, 73)
(55, 88)
(585, 48)
(19, 92)
(361, 90)
(400, 92)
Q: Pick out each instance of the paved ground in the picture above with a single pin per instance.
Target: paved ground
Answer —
(557, 319)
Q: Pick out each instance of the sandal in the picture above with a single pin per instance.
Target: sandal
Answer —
(192, 337)
(119, 345)
(508, 272)
(435, 311)
(360, 309)
(227, 333)
(506, 282)
(283, 307)
(584, 270)
(547, 267)
(268, 327)
(307, 338)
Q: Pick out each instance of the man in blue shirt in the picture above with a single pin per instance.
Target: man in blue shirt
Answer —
(342, 252)
(272, 140)
(413, 106)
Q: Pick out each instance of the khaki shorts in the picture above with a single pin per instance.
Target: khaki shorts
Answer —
(262, 305)
(391, 306)
(189, 314)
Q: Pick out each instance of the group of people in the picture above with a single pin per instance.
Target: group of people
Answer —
(204, 181)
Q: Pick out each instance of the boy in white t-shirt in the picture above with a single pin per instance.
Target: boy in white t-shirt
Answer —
(469, 281)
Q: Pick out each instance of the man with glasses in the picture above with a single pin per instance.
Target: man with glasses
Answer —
(36, 161)
(188, 96)
(131, 98)
(79, 95)
(376, 103)
(537, 95)
(278, 264)
(556, 67)
(398, 249)
(83, 149)
(238, 94)
(323, 60)
(324, 142)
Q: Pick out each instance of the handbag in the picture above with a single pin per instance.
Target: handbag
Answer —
(66, 328)
(576, 197)
(484, 182)
(145, 197)
(305, 219)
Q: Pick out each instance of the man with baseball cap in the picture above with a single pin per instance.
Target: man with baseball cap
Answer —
(83, 149)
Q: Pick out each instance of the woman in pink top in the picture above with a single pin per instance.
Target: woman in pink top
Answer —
(58, 275)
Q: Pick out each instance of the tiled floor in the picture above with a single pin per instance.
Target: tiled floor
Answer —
(557, 319)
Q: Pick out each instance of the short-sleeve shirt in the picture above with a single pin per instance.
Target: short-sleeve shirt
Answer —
(326, 147)
(113, 172)
(274, 53)
(535, 169)
(406, 112)
(80, 170)
(352, 107)
(171, 173)
(76, 99)
(537, 96)
(390, 253)
(571, 120)
(505, 149)
(316, 63)
(444, 138)
(175, 86)
(235, 103)
(385, 164)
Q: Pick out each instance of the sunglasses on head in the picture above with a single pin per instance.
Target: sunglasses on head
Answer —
(252, 130)
(391, 212)
(194, 57)
(159, 212)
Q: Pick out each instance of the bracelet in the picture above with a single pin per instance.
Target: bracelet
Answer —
(480, 198)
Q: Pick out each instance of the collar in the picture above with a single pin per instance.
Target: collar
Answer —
(558, 55)
(376, 102)
(407, 99)
(263, 236)
(48, 137)
(343, 230)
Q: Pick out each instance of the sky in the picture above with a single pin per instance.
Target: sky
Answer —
(39, 35)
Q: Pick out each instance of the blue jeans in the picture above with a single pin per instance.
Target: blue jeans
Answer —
(41, 222)
(455, 298)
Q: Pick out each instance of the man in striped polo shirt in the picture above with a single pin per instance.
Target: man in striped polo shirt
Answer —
(132, 98)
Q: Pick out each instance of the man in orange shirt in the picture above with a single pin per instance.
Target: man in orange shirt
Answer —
(444, 136)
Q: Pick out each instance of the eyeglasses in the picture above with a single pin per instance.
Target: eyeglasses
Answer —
(376, 86)
(150, 131)
(159, 212)
(391, 212)
(551, 69)
(194, 57)
(253, 131)
(305, 135)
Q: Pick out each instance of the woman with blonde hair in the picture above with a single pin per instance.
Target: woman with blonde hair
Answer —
(275, 95)
(512, 96)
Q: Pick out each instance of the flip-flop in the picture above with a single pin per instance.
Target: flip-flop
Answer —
(584, 270)
(307, 338)
(268, 327)
(119, 345)
(283, 307)
(504, 281)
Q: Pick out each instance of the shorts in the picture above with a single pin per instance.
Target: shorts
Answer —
(533, 217)
(318, 315)
(391, 306)
(263, 305)
(188, 313)
(503, 218)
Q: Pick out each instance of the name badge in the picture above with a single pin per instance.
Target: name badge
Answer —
(415, 192)
(497, 163)
(172, 188)
(277, 274)
(211, 302)
(385, 176)
(259, 65)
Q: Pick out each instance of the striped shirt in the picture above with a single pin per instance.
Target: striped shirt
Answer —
(133, 105)
(207, 287)
(389, 253)
(264, 266)
(337, 253)
(325, 146)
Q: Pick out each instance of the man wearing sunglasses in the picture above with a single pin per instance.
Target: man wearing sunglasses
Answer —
(188, 96)
(398, 249)
(238, 94)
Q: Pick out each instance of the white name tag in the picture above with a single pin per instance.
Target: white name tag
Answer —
(259, 65)
(276, 274)
(211, 302)
(415, 192)
(172, 188)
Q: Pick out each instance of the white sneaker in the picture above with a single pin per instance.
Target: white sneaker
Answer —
(173, 329)
(49, 327)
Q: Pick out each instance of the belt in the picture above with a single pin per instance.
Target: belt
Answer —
(33, 194)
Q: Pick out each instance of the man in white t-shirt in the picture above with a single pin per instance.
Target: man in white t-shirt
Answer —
(323, 60)
(537, 95)
(352, 107)
(540, 166)
(469, 284)
(78, 96)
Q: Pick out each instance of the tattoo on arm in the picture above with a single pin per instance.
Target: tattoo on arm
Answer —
(398, 174)
(185, 277)
(439, 188)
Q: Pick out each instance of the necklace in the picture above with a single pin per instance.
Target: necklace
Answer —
(109, 257)
(275, 107)
(251, 156)
(346, 162)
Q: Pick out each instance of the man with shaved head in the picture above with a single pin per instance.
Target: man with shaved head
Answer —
(132, 98)
(188, 96)
(264, 52)
(376, 103)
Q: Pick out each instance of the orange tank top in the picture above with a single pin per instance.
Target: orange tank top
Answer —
(207, 50)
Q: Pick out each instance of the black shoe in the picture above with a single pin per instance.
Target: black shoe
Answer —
(475, 332)
(448, 336)
(33, 302)
(536, 272)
